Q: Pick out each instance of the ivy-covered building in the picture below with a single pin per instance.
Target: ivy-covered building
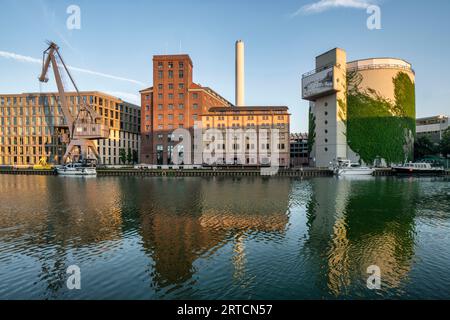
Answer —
(362, 110)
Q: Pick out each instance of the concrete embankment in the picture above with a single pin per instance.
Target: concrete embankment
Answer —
(208, 172)
(103, 172)
(198, 172)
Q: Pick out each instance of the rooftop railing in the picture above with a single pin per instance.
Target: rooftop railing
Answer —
(364, 67)
(381, 66)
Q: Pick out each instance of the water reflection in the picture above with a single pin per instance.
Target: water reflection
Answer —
(356, 223)
(199, 216)
(222, 237)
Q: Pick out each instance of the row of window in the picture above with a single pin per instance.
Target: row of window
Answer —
(249, 125)
(170, 74)
(237, 118)
(170, 96)
(55, 100)
(170, 65)
(170, 117)
(170, 85)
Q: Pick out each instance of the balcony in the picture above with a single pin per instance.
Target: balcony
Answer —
(319, 83)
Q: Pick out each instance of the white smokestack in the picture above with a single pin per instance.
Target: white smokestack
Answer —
(240, 95)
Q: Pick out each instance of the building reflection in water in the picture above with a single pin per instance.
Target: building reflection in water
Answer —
(46, 218)
(351, 229)
(200, 216)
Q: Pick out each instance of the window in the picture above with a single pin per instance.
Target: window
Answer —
(180, 116)
(170, 116)
(160, 116)
(160, 75)
(160, 106)
(170, 86)
(160, 86)
(181, 74)
(170, 74)
(160, 96)
(181, 96)
(170, 64)
(170, 106)
(181, 65)
(181, 106)
(181, 86)
(195, 106)
(160, 65)
(170, 96)
(195, 117)
(195, 95)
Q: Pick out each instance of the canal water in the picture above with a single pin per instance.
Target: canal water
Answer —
(224, 238)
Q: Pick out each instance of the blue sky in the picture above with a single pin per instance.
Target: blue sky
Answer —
(119, 38)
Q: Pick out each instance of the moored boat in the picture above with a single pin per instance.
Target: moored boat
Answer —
(76, 169)
(418, 168)
(348, 168)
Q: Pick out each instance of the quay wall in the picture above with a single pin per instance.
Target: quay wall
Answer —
(197, 173)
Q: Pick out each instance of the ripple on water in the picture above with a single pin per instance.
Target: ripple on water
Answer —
(223, 238)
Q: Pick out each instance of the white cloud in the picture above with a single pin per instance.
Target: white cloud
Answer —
(21, 58)
(323, 5)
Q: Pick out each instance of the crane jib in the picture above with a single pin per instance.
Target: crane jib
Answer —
(85, 128)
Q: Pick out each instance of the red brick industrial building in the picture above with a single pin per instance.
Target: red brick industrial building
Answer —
(174, 101)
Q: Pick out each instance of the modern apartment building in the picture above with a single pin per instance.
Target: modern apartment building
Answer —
(32, 126)
(250, 140)
(174, 101)
(299, 149)
(433, 127)
(362, 110)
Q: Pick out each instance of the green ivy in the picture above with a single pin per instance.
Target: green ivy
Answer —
(376, 127)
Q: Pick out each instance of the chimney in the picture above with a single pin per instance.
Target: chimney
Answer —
(240, 98)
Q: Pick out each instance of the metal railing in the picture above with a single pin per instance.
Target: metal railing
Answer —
(381, 66)
(357, 68)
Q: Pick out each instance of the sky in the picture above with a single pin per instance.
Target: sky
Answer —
(113, 48)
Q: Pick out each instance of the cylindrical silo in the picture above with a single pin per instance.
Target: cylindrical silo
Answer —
(381, 110)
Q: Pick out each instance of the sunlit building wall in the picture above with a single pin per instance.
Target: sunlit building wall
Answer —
(362, 110)
(32, 126)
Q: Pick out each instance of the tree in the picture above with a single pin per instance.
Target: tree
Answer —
(129, 155)
(444, 146)
(423, 146)
(135, 156)
(122, 156)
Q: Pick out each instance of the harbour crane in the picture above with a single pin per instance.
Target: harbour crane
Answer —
(85, 127)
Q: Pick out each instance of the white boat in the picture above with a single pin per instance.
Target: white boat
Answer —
(76, 169)
(348, 168)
